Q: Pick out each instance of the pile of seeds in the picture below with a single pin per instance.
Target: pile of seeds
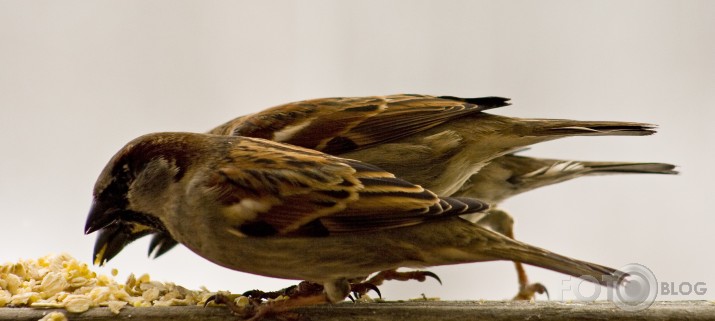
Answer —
(60, 281)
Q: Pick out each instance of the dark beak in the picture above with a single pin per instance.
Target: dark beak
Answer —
(161, 243)
(113, 238)
(100, 216)
(119, 227)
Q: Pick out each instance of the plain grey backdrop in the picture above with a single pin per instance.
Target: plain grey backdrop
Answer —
(79, 79)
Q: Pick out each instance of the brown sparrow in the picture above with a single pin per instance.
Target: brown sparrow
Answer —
(283, 211)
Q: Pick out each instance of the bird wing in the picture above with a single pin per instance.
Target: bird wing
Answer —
(277, 189)
(338, 125)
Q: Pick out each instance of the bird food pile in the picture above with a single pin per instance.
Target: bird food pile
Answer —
(60, 281)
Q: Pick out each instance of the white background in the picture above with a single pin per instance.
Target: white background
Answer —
(79, 79)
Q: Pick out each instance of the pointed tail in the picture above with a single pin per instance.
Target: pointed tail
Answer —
(621, 167)
(504, 248)
(564, 127)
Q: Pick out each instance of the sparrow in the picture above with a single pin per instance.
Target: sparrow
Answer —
(283, 211)
(438, 142)
(504, 177)
(511, 174)
(435, 141)
(330, 125)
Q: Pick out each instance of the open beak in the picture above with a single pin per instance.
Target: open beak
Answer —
(114, 237)
(119, 227)
(161, 243)
(100, 216)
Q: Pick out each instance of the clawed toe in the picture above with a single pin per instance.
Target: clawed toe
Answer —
(360, 289)
(304, 288)
(430, 274)
(261, 295)
(387, 275)
(529, 292)
(220, 298)
(255, 310)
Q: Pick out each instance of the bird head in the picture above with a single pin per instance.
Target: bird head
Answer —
(130, 193)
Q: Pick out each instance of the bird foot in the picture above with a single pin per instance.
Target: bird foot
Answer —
(362, 288)
(279, 309)
(387, 275)
(304, 288)
(241, 311)
(529, 291)
(359, 289)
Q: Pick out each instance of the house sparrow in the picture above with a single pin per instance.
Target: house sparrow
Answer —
(511, 174)
(437, 142)
(331, 125)
(283, 211)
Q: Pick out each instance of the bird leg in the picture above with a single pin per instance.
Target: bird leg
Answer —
(241, 311)
(501, 222)
(527, 291)
(362, 288)
(387, 275)
(304, 288)
(280, 309)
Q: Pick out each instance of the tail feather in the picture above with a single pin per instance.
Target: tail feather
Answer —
(592, 272)
(483, 102)
(640, 168)
(558, 127)
(509, 249)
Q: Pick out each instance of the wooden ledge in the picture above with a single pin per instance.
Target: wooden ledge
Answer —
(412, 311)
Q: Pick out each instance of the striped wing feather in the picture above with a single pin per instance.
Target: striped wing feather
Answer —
(338, 125)
(302, 192)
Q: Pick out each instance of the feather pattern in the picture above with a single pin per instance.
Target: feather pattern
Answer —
(337, 125)
(285, 188)
(438, 142)
(511, 174)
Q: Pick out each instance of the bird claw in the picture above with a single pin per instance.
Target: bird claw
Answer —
(217, 299)
(304, 288)
(220, 298)
(257, 294)
(360, 289)
(529, 291)
(261, 295)
(387, 275)
(432, 275)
